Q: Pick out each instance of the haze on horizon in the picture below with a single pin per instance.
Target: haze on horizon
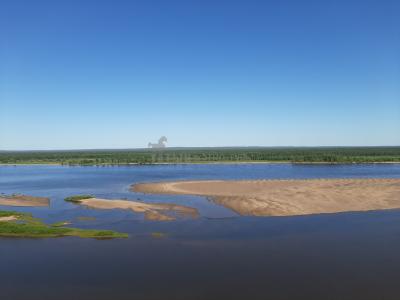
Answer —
(118, 74)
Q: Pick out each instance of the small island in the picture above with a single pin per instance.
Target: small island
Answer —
(17, 224)
(23, 200)
(152, 211)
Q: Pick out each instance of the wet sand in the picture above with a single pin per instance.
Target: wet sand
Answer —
(152, 211)
(8, 219)
(288, 197)
(23, 200)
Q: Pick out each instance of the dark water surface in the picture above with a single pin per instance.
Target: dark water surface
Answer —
(217, 256)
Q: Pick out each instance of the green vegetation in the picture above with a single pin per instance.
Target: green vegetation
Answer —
(78, 198)
(9, 196)
(205, 155)
(30, 227)
(4, 213)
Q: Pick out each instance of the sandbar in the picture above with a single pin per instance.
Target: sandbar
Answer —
(8, 219)
(23, 200)
(152, 211)
(288, 197)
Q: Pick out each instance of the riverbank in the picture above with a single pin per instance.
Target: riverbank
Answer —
(151, 211)
(205, 155)
(203, 163)
(288, 197)
(23, 225)
(23, 200)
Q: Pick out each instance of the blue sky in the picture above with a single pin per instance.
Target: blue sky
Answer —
(118, 74)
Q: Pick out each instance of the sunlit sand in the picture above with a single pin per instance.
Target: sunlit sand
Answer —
(8, 219)
(289, 197)
(23, 200)
(152, 211)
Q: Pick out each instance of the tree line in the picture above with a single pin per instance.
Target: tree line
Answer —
(204, 155)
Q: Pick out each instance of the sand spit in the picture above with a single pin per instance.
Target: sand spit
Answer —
(23, 200)
(152, 211)
(8, 219)
(289, 197)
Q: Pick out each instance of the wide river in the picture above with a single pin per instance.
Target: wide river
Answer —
(219, 255)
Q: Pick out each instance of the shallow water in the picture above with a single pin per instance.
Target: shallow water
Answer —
(217, 256)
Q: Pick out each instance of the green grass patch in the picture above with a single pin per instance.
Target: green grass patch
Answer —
(78, 198)
(30, 227)
(10, 213)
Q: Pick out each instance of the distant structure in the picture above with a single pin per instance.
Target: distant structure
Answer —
(161, 143)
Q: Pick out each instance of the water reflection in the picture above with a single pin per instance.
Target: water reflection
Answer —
(337, 256)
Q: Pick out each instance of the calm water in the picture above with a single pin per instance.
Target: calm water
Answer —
(218, 256)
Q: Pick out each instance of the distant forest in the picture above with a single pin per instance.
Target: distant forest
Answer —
(205, 155)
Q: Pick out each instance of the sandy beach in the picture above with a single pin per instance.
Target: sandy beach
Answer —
(152, 211)
(23, 200)
(8, 219)
(288, 197)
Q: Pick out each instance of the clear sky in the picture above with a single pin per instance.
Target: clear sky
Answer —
(119, 74)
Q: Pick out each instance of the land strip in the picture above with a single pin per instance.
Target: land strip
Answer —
(151, 211)
(327, 155)
(288, 197)
(23, 200)
(23, 225)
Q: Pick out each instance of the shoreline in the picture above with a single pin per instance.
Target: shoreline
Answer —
(287, 197)
(21, 200)
(202, 163)
(151, 211)
(24, 225)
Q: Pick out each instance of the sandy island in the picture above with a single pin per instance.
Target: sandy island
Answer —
(288, 197)
(8, 219)
(23, 200)
(152, 211)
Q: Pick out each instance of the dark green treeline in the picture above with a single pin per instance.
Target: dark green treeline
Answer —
(204, 155)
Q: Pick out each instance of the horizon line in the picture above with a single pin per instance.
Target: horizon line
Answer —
(193, 147)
